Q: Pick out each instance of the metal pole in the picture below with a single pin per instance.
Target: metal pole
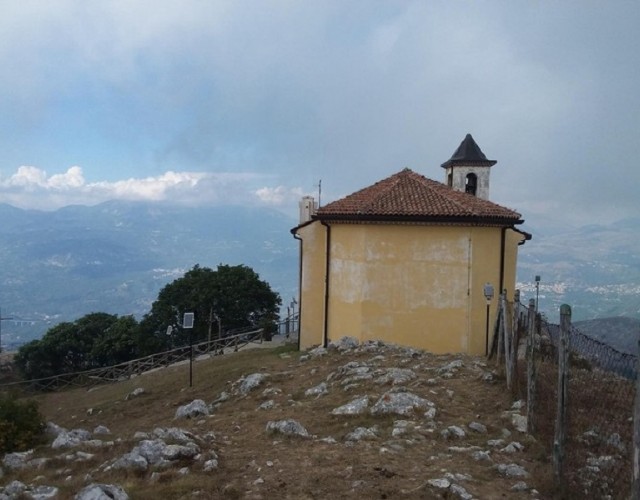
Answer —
(190, 358)
(486, 341)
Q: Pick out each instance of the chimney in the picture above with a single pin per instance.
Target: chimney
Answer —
(308, 208)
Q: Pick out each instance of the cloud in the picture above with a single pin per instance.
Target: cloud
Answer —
(31, 187)
(279, 195)
(347, 92)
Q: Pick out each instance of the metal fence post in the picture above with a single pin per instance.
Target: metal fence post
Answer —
(531, 368)
(563, 395)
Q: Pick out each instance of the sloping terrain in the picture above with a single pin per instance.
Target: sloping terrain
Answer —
(424, 426)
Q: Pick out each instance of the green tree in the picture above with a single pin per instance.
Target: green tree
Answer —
(117, 344)
(21, 424)
(92, 341)
(230, 296)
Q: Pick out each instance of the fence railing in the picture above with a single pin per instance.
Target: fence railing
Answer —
(580, 400)
(289, 326)
(124, 371)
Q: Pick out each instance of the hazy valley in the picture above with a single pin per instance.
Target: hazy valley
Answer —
(115, 257)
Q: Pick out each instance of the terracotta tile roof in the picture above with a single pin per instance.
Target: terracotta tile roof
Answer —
(411, 196)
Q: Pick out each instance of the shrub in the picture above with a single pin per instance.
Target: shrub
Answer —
(21, 424)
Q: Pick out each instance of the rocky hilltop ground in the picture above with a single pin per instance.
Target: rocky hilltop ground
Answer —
(361, 421)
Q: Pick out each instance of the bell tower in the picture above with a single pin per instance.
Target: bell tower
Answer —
(468, 169)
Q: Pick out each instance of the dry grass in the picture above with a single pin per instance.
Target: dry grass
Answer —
(254, 464)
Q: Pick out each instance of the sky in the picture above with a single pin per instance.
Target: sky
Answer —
(244, 102)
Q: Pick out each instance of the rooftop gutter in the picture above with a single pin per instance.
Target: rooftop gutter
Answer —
(326, 284)
(297, 237)
(462, 220)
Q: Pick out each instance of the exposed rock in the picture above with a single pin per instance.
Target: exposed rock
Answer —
(345, 343)
(457, 476)
(518, 405)
(271, 391)
(512, 447)
(399, 403)
(101, 429)
(53, 430)
(175, 434)
(396, 376)
(69, 439)
(602, 462)
(450, 368)
(478, 427)
(362, 433)
(460, 492)
(179, 451)
(401, 427)
(102, 492)
(489, 377)
(453, 431)
(17, 460)
(440, 483)
(354, 407)
(43, 492)
(615, 441)
(317, 352)
(151, 449)
(196, 408)
(512, 470)
(519, 422)
(210, 465)
(247, 384)
(222, 397)
(481, 455)
(317, 390)
(267, 405)
(138, 391)
(287, 427)
(430, 414)
(520, 486)
(495, 442)
(131, 461)
(15, 489)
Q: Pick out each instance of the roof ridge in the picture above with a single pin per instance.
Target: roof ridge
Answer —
(392, 182)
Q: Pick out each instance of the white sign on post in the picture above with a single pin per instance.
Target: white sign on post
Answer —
(187, 320)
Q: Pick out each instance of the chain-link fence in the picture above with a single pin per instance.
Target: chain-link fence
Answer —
(597, 458)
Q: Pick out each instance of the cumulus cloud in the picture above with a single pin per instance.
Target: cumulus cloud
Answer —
(349, 92)
(32, 187)
(279, 195)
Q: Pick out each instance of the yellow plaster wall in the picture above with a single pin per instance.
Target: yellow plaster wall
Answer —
(312, 285)
(420, 286)
(401, 283)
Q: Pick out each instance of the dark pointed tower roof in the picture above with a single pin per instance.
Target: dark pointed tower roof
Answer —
(468, 153)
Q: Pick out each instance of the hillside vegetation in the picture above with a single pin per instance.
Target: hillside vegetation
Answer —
(455, 438)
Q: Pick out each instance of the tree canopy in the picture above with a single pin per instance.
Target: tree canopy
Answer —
(223, 299)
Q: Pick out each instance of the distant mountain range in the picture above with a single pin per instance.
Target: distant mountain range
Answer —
(116, 256)
(595, 268)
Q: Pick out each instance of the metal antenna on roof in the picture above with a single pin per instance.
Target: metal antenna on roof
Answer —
(319, 193)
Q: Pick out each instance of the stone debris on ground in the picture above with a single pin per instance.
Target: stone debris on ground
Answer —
(412, 394)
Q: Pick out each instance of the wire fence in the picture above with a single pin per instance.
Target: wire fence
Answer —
(587, 426)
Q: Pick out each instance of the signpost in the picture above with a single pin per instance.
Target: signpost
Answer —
(488, 295)
(187, 323)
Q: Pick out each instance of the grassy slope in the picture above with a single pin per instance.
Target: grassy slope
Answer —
(254, 464)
